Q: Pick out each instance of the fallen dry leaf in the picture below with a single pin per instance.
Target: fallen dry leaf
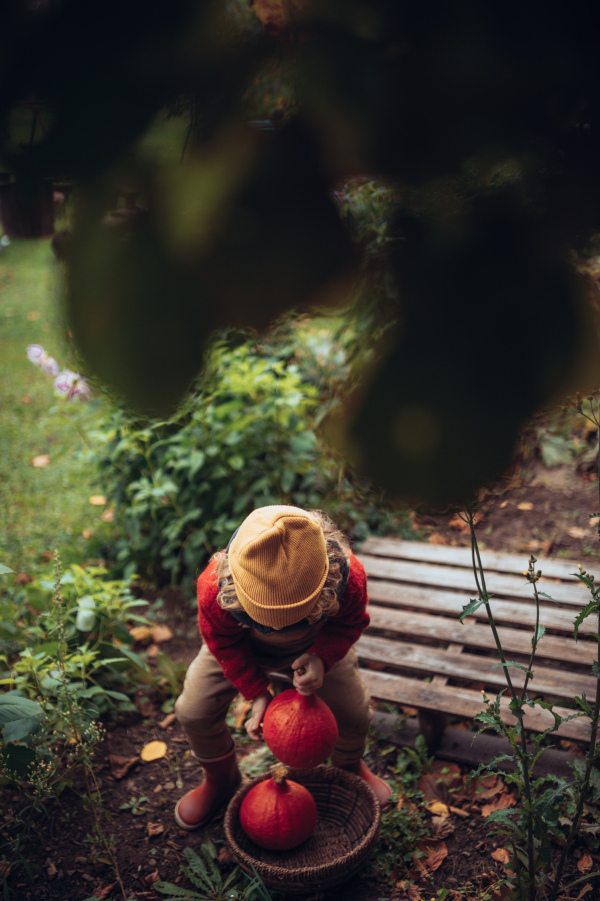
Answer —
(154, 750)
(438, 809)
(52, 871)
(436, 538)
(154, 829)
(87, 533)
(105, 892)
(160, 634)
(120, 765)
(224, 855)
(463, 814)
(26, 399)
(457, 523)
(97, 500)
(449, 774)
(167, 721)
(502, 855)
(152, 651)
(151, 878)
(502, 802)
(585, 863)
(107, 515)
(593, 521)
(434, 853)
(525, 505)
(141, 633)
(411, 807)
(432, 789)
(40, 461)
(407, 891)
(577, 532)
(33, 315)
(442, 827)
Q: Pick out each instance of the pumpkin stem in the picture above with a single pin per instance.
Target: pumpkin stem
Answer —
(279, 774)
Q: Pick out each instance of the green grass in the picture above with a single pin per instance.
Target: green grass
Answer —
(41, 508)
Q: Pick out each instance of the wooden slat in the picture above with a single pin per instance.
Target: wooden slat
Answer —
(460, 579)
(479, 635)
(461, 556)
(448, 663)
(447, 602)
(464, 703)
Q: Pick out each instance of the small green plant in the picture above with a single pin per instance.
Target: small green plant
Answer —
(403, 821)
(98, 659)
(203, 872)
(43, 749)
(136, 805)
(546, 802)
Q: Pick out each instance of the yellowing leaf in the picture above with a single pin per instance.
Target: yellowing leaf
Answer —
(502, 855)
(154, 750)
(98, 500)
(438, 809)
(502, 802)
(41, 460)
(141, 633)
(160, 634)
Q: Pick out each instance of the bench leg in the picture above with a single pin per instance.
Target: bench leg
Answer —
(432, 725)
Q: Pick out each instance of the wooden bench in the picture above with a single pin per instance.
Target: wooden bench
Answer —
(417, 653)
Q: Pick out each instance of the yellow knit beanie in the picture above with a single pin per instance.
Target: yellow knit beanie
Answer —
(278, 560)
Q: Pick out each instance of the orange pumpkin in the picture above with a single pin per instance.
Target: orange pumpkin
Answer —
(278, 814)
(299, 729)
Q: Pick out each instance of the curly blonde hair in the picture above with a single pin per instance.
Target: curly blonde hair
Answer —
(328, 602)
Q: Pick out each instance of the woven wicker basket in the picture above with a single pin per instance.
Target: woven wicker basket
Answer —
(348, 826)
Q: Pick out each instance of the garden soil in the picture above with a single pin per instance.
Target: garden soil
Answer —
(545, 512)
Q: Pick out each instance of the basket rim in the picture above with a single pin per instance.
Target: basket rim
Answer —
(318, 774)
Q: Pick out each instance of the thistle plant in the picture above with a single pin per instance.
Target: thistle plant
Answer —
(537, 819)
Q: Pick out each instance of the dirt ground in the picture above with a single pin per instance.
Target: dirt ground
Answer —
(541, 511)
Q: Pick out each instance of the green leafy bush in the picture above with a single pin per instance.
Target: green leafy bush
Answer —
(244, 438)
(82, 619)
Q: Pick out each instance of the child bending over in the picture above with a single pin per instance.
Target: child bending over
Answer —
(287, 595)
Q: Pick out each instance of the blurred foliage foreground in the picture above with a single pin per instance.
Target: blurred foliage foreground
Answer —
(482, 124)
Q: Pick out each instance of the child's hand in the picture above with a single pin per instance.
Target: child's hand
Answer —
(259, 705)
(311, 679)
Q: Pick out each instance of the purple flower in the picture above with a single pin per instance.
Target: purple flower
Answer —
(35, 353)
(39, 357)
(72, 385)
(49, 366)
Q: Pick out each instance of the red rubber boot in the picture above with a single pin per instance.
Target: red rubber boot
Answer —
(198, 807)
(380, 786)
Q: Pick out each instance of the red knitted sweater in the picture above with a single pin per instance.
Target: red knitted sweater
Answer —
(228, 641)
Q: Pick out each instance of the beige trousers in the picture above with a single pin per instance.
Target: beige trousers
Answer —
(202, 707)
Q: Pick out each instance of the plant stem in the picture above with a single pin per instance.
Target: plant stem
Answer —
(535, 640)
(522, 755)
(591, 756)
(483, 595)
